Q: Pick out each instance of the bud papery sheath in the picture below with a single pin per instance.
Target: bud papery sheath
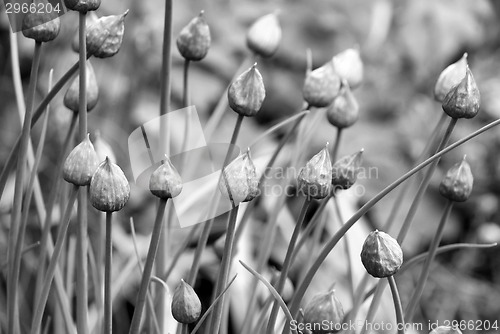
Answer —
(315, 178)
(109, 188)
(81, 164)
(239, 181)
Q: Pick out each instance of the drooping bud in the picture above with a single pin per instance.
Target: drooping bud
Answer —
(449, 78)
(321, 86)
(264, 36)
(349, 66)
(315, 178)
(103, 149)
(82, 6)
(194, 39)
(41, 26)
(324, 309)
(90, 20)
(381, 254)
(239, 181)
(186, 306)
(345, 171)
(446, 330)
(247, 92)
(463, 100)
(165, 182)
(105, 36)
(457, 183)
(109, 188)
(72, 96)
(81, 164)
(344, 111)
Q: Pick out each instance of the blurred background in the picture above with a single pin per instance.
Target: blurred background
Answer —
(404, 45)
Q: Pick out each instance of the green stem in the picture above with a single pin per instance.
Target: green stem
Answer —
(424, 274)
(286, 264)
(108, 306)
(400, 322)
(186, 96)
(51, 269)
(12, 309)
(148, 269)
(335, 149)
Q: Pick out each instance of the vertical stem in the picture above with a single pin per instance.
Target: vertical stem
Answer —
(424, 274)
(12, 308)
(108, 306)
(400, 322)
(148, 269)
(186, 96)
(286, 264)
(336, 146)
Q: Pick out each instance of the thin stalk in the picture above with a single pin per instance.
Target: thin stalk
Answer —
(148, 269)
(286, 264)
(186, 95)
(261, 319)
(400, 321)
(409, 218)
(108, 306)
(186, 102)
(424, 274)
(49, 275)
(202, 242)
(26, 249)
(335, 149)
(12, 308)
(333, 241)
(225, 267)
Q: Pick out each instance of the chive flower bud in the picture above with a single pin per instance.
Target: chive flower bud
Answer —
(446, 330)
(41, 26)
(457, 183)
(349, 66)
(315, 177)
(247, 92)
(186, 306)
(381, 254)
(239, 181)
(72, 96)
(194, 39)
(81, 164)
(463, 100)
(109, 188)
(321, 86)
(264, 36)
(105, 36)
(165, 182)
(345, 171)
(449, 78)
(82, 6)
(324, 308)
(344, 111)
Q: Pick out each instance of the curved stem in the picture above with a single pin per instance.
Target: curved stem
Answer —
(286, 264)
(400, 322)
(424, 274)
(12, 309)
(148, 269)
(108, 306)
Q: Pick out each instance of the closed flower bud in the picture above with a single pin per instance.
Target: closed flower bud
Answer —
(81, 164)
(463, 100)
(239, 181)
(264, 36)
(247, 92)
(90, 20)
(446, 330)
(457, 184)
(82, 6)
(349, 66)
(72, 96)
(109, 188)
(105, 36)
(449, 78)
(165, 182)
(103, 149)
(345, 171)
(381, 254)
(315, 178)
(41, 26)
(186, 306)
(321, 86)
(194, 39)
(324, 309)
(344, 111)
